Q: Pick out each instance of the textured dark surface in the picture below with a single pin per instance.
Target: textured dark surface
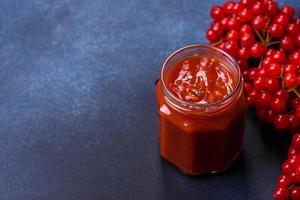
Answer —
(77, 104)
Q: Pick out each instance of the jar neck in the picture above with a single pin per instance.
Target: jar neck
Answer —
(199, 108)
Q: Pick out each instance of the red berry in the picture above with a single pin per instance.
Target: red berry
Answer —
(276, 30)
(289, 68)
(295, 58)
(259, 22)
(295, 193)
(246, 29)
(270, 116)
(272, 8)
(243, 53)
(233, 23)
(252, 74)
(246, 39)
(294, 123)
(274, 69)
(272, 84)
(263, 99)
(281, 193)
(245, 15)
(232, 35)
(228, 7)
(293, 29)
(278, 56)
(257, 50)
(278, 104)
(287, 43)
(297, 111)
(246, 2)
(217, 28)
(269, 52)
(290, 80)
(281, 121)
(261, 114)
(231, 47)
(217, 13)
(288, 11)
(259, 83)
(211, 36)
(258, 7)
(282, 20)
(286, 168)
(282, 93)
(283, 180)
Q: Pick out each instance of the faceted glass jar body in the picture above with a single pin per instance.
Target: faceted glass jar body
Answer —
(201, 138)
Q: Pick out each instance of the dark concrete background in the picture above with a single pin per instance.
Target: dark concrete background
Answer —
(77, 104)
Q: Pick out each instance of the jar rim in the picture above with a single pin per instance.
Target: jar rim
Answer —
(198, 104)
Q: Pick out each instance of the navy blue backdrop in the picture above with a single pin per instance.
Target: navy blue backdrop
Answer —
(77, 104)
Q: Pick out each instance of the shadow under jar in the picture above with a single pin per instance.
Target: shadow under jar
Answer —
(201, 106)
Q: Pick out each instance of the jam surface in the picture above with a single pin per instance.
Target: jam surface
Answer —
(199, 79)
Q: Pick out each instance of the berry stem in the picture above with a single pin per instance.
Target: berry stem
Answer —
(216, 43)
(272, 43)
(295, 91)
(260, 62)
(260, 37)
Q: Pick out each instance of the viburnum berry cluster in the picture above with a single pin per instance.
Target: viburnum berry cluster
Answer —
(265, 41)
(288, 183)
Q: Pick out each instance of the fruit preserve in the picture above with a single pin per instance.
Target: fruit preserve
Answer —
(201, 106)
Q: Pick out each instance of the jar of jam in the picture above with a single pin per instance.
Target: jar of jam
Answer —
(201, 106)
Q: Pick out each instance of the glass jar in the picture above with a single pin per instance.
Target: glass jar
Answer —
(201, 138)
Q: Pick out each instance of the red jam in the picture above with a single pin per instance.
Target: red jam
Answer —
(199, 79)
(201, 106)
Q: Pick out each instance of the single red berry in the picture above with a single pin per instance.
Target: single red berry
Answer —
(282, 20)
(282, 93)
(259, 83)
(281, 193)
(295, 193)
(217, 13)
(288, 11)
(293, 29)
(258, 7)
(289, 68)
(224, 22)
(286, 168)
(228, 7)
(295, 102)
(283, 180)
(232, 35)
(272, 84)
(233, 23)
(231, 48)
(243, 53)
(295, 58)
(278, 104)
(274, 69)
(281, 121)
(294, 124)
(269, 52)
(237, 8)
(287, 42)
(290, 80)
(272, 8)
(278, 56)
(246, 29)
(246, 39)
(248, 87)
(211, 36)
(259, 22)
(257, 50)
(253, 74)
(292, 150)
(217, 28)
(263, 99)
(276, 30)
(245, 15)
